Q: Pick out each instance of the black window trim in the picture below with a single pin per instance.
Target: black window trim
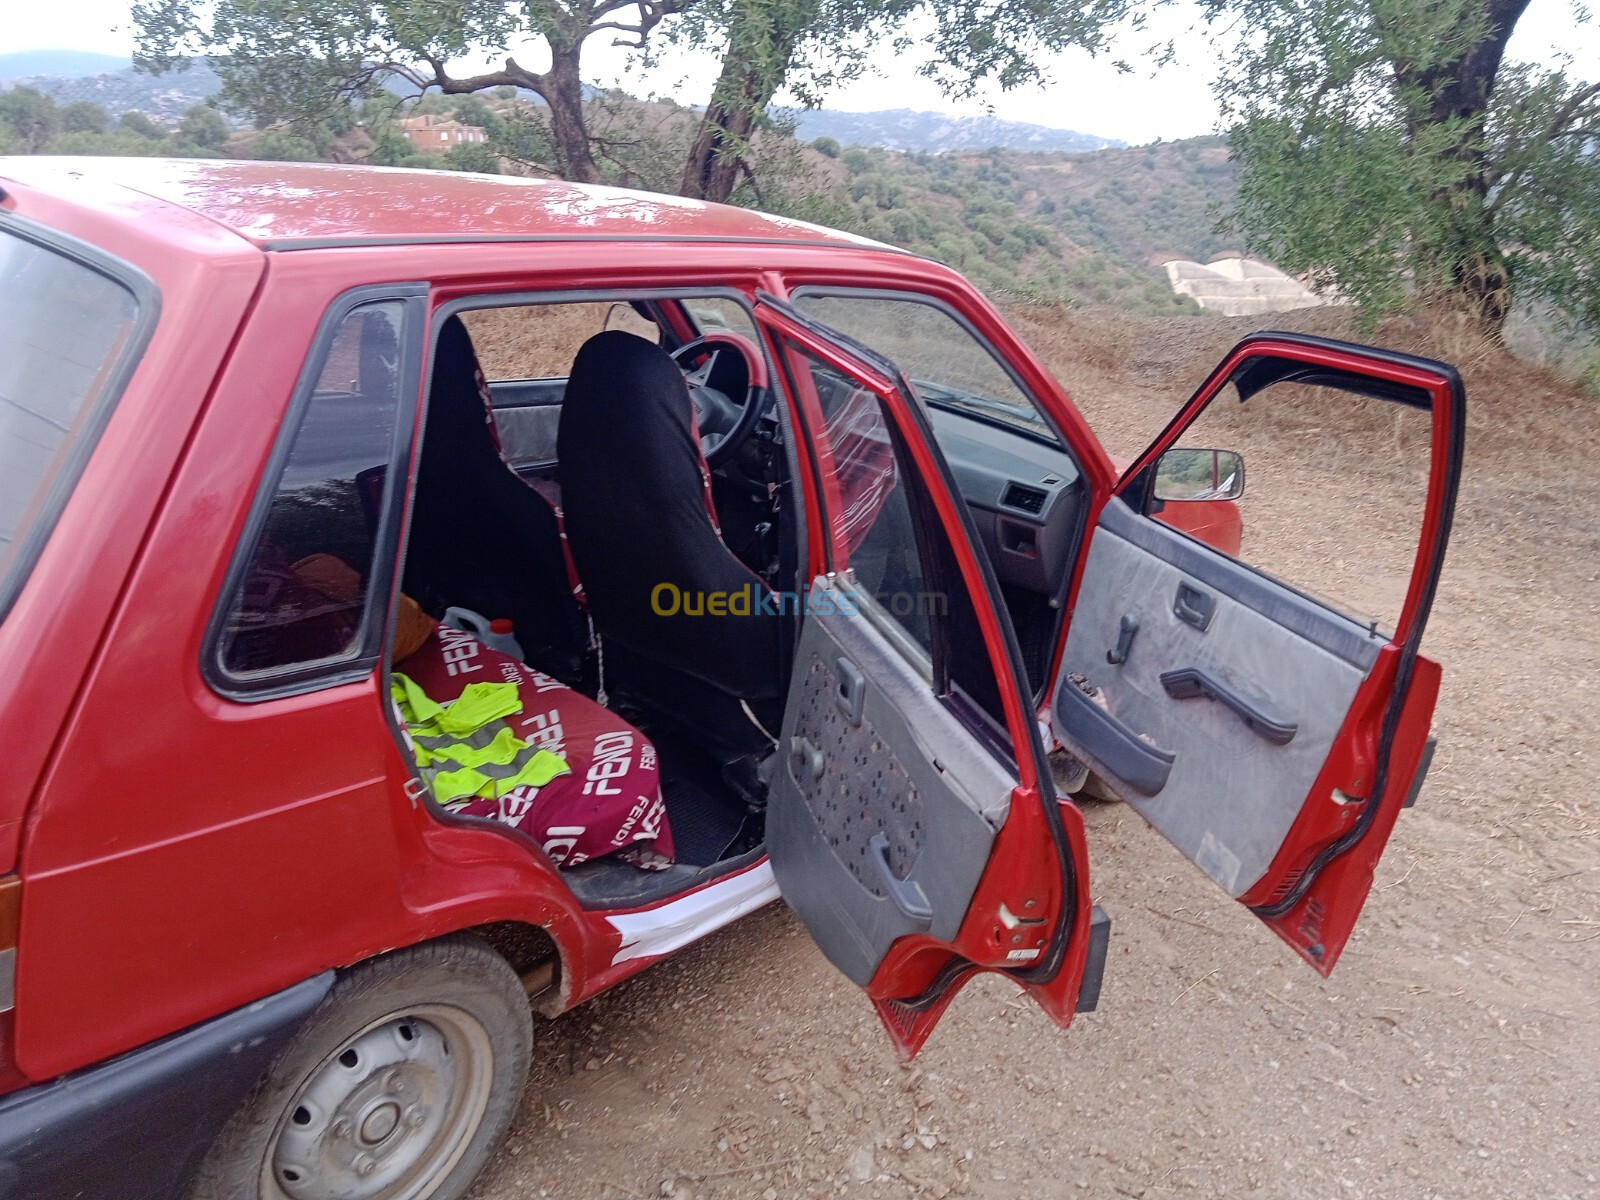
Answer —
(364, 656)
(92, 424)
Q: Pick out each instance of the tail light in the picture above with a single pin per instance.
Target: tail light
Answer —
(10, 923)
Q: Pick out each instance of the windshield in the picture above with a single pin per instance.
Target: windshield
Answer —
(63, 329)
(950, 368)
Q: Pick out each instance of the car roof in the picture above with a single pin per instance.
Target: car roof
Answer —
(285, 206)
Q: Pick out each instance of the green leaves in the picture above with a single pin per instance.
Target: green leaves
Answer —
(1387, 155)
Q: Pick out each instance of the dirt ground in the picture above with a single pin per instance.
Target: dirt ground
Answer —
(1455, 1053)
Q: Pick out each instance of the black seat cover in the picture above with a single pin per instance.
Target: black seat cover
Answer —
(634, 499)
(480, 537)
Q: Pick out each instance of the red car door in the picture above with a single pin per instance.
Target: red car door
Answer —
(910, 824)
(1269, 736)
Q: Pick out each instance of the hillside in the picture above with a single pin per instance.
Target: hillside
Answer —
(1146, 204)
(904, 129)
(163, 98)
(68, 75)
(1087, 228)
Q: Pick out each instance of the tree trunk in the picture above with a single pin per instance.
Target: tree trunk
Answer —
(714, 159)
(1463, 268)
(563, 92)
(760, 52)
(561, 88)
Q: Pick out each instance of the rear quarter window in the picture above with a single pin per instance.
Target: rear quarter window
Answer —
(70, 332)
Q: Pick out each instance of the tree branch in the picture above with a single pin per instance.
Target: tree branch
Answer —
(511, 75)
(1571, 110)
(1560, 125)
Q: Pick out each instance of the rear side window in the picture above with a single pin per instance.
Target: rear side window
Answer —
(68, 335)
(302, 599)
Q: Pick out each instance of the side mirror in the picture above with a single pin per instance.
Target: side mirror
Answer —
(1186, 474)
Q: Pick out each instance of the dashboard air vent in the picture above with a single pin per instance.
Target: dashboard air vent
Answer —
(1024, 499)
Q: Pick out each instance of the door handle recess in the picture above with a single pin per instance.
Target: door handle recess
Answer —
(908, 897)
(852, 688)
(1194, 607)
(1191, 683)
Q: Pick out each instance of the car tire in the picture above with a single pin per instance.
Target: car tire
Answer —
(400, 1085)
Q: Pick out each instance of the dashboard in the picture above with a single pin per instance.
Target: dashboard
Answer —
(1027, 499)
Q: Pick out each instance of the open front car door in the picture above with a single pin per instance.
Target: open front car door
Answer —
(1268, 736)
(910, 822)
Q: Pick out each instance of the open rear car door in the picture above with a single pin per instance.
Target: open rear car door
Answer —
(1268, 736)
(907, 822)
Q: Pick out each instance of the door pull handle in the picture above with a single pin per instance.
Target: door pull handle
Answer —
(908, 897)
(1191, 683)
(1125, 634)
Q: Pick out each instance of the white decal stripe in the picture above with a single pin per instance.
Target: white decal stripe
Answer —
(662, 930)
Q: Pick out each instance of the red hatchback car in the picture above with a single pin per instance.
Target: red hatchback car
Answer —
(422, 592)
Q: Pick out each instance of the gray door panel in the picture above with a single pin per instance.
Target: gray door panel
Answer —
(1222, 766)
(883, 808)
(527, 413)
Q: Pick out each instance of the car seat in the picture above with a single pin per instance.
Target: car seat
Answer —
(481, 538)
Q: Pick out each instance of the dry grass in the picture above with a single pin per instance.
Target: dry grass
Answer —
(536, 341)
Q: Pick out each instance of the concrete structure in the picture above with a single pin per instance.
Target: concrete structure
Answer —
(1240, 287)
(435, 135)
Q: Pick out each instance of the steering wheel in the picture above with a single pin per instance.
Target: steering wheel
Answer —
(724, 423)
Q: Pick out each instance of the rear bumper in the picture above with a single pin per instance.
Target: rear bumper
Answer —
(136, 1127)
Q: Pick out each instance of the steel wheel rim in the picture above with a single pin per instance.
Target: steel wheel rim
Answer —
(388, 1114)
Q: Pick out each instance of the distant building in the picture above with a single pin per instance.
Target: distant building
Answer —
(1238, 287)
(435, 135)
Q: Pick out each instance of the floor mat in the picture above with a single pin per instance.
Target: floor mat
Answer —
(704, 825)
(705, 816)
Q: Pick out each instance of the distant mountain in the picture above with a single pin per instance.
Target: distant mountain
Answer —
(903, 129)
(25, 64)
(69, 75)
(163, 98)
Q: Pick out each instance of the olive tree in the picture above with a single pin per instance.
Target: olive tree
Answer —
(1389, 151)
(295, 60)
(809, 46)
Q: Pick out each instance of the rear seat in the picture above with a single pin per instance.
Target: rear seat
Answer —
(609, 803)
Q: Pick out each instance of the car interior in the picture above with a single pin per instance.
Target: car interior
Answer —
(563, 501)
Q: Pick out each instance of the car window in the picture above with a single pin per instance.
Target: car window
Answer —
(64, 328)
(303, 596)
(949, 367)
(539, 341)
(719, 314)
(902, 567)
(1295, 447)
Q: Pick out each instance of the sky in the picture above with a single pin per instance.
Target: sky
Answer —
(1082, 93)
